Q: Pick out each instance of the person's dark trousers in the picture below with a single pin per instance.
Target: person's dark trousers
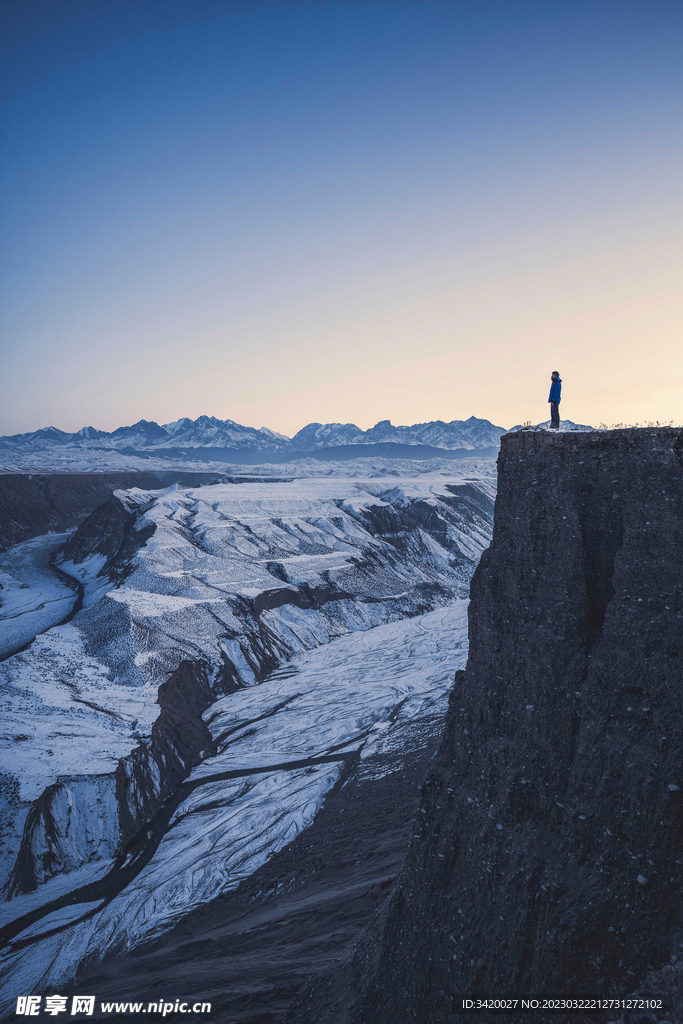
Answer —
(555, 415)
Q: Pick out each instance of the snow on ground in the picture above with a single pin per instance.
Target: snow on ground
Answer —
(360, 694)
(107, 460)
(329, 569)
(52, 890)
(32, 596)
(84, 694)
(63, 714)
(214, 544)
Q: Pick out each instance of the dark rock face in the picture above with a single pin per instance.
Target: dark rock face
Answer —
(548, 856)
(113, 531)
(151, 773)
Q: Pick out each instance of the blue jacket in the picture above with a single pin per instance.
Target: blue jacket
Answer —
(555, 390)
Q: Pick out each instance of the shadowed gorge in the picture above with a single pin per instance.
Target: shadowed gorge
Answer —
(547, 854)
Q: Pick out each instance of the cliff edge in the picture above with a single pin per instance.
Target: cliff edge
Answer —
(547, 857)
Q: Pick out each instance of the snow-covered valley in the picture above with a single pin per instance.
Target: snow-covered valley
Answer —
(33, 597)
(282, 746)
(242, 650)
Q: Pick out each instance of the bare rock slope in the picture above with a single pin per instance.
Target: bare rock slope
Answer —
(548, 857)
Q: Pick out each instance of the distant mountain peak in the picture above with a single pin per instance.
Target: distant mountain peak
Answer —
(209, 432)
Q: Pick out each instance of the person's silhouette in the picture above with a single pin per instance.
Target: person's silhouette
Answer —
(554, 399)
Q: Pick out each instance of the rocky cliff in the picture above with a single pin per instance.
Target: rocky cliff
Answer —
(548, 852)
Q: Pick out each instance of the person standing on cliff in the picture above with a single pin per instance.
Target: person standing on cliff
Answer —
(555, 392)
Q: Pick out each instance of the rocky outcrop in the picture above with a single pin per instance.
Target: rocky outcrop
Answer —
(151, 773)
(113, 532)
(73, 822)
(548, 853)
(33, 504)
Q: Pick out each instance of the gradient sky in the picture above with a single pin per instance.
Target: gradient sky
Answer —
(286, 212)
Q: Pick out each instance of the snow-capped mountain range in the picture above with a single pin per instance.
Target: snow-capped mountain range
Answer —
(210, 432)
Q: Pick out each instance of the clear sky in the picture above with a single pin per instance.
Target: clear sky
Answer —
(340, 211)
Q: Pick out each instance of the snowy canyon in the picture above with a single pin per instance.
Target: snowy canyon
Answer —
(212, 666)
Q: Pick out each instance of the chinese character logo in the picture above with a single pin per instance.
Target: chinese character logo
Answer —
(83, 1004)
(55, 1004)
(28, 1006)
